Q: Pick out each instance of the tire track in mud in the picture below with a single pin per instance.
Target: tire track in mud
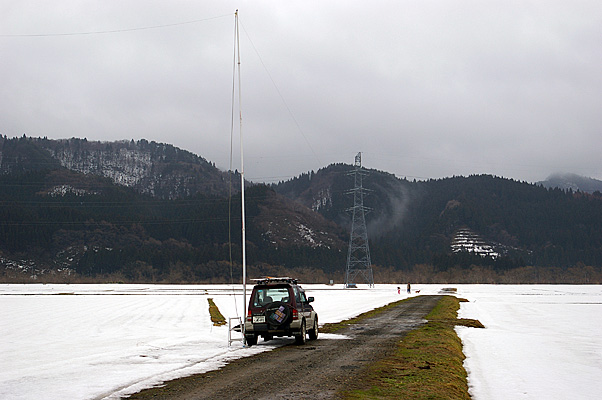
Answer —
(317, 370)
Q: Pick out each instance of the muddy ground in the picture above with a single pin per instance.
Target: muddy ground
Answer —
(316, 370)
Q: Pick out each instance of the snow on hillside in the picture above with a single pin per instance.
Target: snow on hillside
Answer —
(467, 240)
(105, 341)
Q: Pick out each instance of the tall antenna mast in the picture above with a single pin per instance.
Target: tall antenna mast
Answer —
(242, 186)
(358, 256)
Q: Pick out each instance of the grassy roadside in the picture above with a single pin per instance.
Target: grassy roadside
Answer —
(216, 316)
(427, 363)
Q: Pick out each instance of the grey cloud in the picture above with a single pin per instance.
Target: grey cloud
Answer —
(424, 89)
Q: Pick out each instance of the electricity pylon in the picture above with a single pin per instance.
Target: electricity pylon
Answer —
(358, 256)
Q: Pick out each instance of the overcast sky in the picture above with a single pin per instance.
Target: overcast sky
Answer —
(424, 89)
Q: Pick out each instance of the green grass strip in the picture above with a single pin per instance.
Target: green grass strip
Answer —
(427, 363)
(216, 316)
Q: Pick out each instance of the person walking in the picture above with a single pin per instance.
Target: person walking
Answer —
(409, 288)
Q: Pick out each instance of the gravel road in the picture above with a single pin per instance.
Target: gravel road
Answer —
(317, 370)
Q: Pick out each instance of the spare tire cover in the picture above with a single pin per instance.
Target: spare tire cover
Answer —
(278, 313)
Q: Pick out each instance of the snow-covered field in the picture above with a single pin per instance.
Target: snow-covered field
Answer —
(105, 341)
(541, 341)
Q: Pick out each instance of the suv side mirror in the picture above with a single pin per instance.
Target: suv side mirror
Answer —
(310, 299)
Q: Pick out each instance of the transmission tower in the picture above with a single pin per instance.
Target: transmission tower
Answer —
(358, 256)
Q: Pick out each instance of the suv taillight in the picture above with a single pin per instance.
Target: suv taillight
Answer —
(295, 314)
(249, 316)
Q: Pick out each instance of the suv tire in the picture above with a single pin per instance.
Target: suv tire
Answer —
(301, 338)
(313, 333)
(251, 340)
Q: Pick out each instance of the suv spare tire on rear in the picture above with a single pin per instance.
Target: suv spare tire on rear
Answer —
(278, 314)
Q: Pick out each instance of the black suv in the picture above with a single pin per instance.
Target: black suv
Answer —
(279, 307)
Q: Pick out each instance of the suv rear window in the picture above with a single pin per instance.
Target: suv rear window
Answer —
(267, 295)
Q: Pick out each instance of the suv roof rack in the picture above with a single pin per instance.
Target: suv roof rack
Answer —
(270, 279)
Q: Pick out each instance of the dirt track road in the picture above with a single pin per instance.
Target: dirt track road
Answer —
(316, 370)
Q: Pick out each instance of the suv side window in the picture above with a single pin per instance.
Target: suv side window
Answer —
(297, 294)
(303, 298)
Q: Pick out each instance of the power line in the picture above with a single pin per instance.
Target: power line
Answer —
(122, 30)
(117, 222)
(281, 96)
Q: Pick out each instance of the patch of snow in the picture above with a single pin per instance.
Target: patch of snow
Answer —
(323, 200)
(306, 234)
(63, 190)
(467, 240)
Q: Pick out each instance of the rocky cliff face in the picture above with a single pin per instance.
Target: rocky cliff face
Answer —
(156, 169)
(127, 167)
(286, 223)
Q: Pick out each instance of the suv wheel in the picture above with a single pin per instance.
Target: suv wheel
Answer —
(251, 340)
(313, 333)
(301, 338)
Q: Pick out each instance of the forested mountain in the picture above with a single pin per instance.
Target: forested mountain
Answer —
(158, 169)
(72, 206)
(146, 211)
(573, 182)
(416, 222)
